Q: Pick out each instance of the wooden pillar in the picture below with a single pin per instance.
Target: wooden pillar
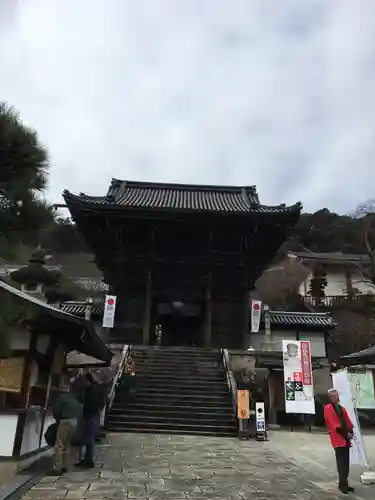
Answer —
(272, 417)
(245, 326)
(208, 322)
(147, 311)
(29, 361)
(208, 326)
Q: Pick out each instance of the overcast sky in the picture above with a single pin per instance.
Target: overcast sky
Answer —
(277, 93)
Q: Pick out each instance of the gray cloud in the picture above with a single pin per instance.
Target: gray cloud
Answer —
(278, 94)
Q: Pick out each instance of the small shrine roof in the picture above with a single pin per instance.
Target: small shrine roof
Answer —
(79, 308)
(81, 334)
(305, 319)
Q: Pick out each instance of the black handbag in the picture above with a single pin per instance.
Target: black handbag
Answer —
(51, 434)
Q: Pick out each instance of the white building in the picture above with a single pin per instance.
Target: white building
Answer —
(346, 274)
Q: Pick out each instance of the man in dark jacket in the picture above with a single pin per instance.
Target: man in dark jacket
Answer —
(66, 411)
(93, 404)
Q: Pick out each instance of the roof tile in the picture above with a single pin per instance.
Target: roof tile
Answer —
(313, 320)
(219, 199)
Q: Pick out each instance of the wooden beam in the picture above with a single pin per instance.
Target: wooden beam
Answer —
(147, 313)
(208, 326)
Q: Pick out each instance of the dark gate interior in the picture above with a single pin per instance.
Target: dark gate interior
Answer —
(178, 324)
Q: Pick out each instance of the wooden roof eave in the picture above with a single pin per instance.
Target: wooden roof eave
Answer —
(88, 341)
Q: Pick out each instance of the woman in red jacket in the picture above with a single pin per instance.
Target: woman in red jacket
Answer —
(340, 429)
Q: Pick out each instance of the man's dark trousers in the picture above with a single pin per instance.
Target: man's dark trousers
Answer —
(343, 464)
(92, 424)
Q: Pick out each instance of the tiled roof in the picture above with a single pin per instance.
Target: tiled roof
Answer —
(87, 342)
(332, 257)
(369, 352)
(307, 319)
(142, 195)
(79, 308)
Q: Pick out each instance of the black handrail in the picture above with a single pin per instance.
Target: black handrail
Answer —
(116, 379)
(232, 384)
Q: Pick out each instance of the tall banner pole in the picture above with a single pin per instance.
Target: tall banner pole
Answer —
(340, 381)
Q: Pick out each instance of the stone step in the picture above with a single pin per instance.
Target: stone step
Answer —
(176, 378)
(183, 391)
(183, 386)
(176, 395)
(177, 390)
(176, 411)
(183, 428)
(177, 432)
(184, 420)
(156, 402)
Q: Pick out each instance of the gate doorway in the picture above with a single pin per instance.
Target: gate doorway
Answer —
(178, 324)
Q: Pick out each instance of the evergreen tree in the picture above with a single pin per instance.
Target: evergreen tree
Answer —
(23, 177)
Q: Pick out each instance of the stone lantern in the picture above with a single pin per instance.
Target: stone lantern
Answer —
(35, 278)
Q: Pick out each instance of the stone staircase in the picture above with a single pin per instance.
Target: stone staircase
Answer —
(179, 391)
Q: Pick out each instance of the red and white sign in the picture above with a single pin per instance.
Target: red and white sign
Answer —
(256, 311)
(298, 377)
(109, 311)
(306, 363)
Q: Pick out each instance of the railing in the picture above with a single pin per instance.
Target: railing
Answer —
(232, 384)
(330, 300)
(124, 355)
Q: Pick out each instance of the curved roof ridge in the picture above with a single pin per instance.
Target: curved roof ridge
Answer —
(300, 313)
(186, 186)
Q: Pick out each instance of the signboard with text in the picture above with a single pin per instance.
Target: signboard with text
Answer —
(298, 377)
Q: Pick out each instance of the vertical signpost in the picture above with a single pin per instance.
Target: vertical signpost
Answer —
(260, 416)
(243, 410)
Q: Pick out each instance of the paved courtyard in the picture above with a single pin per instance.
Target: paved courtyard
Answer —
(176, 467)
(314, 454)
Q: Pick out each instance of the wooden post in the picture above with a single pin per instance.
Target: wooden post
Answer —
(208, 329)
(272, 418)
(245, 328)
(88, 308)
(26, 379)
(147, 311)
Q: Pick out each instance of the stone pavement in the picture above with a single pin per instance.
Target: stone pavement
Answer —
(175, 467)
(313, 453)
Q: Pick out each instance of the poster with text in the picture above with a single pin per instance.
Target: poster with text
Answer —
(298, 378)
(362, 387)
(340, 381)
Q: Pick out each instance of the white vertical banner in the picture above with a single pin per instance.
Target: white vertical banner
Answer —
(340, 381)
(256, 311)
(109, 311)
(298, 378)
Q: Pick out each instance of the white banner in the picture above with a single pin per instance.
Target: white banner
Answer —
(362, 387)
(341, 383)
(109, 311)
(298, 378)
(256, 311)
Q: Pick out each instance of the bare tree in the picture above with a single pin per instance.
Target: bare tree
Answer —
(279, 286)
(366, 213)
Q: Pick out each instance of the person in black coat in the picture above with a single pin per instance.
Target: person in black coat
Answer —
(93, 404)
